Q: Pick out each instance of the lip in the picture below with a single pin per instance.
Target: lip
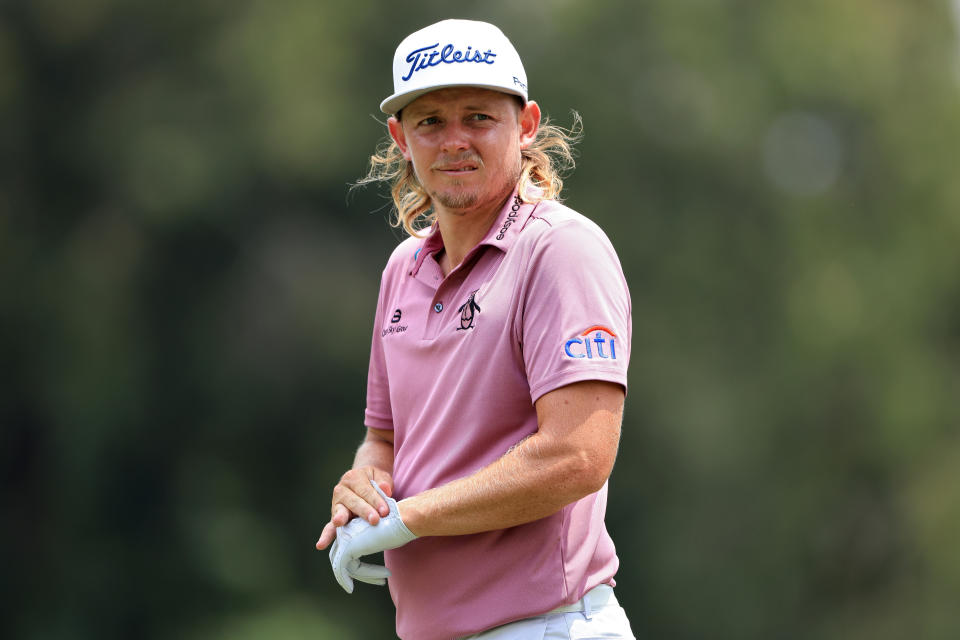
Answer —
(457, 165)
(456, 169)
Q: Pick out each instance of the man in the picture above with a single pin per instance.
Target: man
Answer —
(497, 369)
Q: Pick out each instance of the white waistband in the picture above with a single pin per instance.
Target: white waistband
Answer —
(600, 596)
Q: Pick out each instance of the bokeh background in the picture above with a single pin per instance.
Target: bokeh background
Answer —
(187, 288)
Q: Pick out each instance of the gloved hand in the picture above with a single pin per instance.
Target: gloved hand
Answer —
(359, 538)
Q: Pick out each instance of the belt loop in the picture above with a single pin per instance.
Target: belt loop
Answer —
(586, 606)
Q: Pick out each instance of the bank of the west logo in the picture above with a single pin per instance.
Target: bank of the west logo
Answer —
(595, 342)
(431, 56)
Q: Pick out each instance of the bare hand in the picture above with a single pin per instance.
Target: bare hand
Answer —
(354, 496)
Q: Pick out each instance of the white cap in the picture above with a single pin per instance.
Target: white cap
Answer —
(454, 53)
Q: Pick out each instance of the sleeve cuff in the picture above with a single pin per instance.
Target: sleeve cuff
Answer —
(375, 421)
(564, 378)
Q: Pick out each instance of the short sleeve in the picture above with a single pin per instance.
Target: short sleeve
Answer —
(576, 322)
(378, 414)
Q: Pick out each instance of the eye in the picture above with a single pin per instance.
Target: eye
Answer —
(479, 116)
(428, 121)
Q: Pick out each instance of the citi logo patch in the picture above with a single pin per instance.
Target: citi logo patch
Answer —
(596, 342)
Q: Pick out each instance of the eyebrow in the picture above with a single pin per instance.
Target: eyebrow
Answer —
(426, 112)
(421, 112)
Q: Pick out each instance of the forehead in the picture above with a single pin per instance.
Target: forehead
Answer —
(459, 98)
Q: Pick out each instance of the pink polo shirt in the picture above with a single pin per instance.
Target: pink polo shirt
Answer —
(455, 368)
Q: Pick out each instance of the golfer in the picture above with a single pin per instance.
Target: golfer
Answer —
(498, 366)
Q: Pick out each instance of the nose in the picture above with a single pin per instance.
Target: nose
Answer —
(455, 138)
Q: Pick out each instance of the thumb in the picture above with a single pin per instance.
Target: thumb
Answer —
(379, 489)
(383, 481)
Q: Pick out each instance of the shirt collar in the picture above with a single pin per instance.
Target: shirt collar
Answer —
(508, 224)
(429, 245)
(502, 233)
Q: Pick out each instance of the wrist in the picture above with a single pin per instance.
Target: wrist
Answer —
(410, 515)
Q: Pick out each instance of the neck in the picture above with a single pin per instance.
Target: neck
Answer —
(462, 231)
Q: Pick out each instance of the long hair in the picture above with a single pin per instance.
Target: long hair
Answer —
(543, 165)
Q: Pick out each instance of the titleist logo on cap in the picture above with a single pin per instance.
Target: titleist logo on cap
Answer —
(432, 58)
(419, 59)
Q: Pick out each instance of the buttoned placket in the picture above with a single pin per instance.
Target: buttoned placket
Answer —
(445, 290)
(427, 270)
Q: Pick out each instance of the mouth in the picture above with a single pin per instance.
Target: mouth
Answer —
(458, 168)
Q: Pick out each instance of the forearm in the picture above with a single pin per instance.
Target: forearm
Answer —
(354, 496)
(535, 479)
(375, 453)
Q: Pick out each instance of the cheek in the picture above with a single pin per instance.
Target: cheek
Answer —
(511, 158)
(408, 150)
(421, 167)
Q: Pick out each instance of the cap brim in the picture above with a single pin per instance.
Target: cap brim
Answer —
(398, 101)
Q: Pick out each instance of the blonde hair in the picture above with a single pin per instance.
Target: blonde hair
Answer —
(542, 166)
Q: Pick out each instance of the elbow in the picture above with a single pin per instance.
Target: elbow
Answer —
(589, 471)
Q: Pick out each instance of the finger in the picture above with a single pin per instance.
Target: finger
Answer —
(378, 499)
(338, 558)
(345, 580)
(369, 573)
(376, 487)
(362, 483)
(327, 536)
(340, 515)
(384, 480)
(383, 495)
(365, 502)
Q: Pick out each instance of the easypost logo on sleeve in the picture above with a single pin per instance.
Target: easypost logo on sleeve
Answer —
(597, 342)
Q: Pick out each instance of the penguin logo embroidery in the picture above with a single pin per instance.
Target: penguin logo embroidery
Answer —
(468, 312)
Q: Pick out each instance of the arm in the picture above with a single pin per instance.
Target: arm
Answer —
(570, 456)
(354, 495)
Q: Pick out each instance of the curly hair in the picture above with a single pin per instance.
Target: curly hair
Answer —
(543, 165)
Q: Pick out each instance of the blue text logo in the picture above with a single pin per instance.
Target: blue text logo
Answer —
(419, 58)
(602, 344)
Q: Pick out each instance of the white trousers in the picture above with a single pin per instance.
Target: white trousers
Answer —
(596, 615)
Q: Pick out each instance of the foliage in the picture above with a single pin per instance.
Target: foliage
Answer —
(187, 291)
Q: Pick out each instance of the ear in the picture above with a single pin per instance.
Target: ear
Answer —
(529, 120)
(396, 132)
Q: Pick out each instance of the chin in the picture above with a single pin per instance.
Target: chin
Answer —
(459, 201)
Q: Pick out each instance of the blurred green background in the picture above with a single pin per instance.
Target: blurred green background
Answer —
(187, 291)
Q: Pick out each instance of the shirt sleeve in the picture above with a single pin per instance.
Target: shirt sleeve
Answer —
(576, 322)
(378, 414)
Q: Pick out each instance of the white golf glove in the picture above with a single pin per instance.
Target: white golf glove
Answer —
(359, 538)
